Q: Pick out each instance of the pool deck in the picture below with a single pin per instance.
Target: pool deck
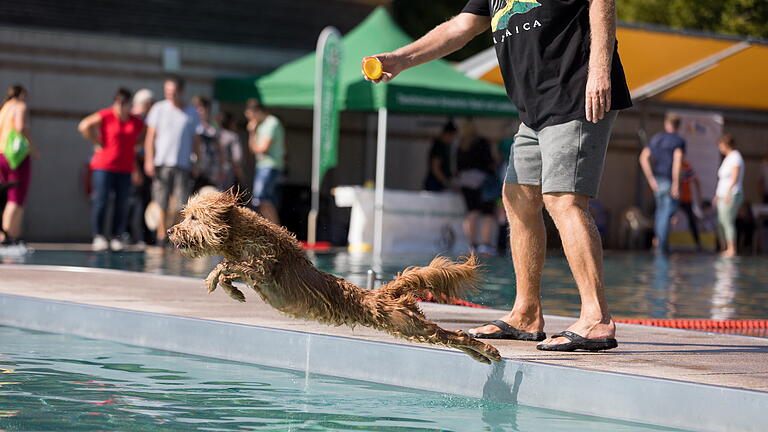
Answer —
(726, 361)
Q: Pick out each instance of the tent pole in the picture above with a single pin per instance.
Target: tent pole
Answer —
(378, 201)
(315, 182)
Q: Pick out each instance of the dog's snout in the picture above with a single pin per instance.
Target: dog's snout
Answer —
(170, 231)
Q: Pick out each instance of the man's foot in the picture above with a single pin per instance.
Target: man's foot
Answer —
(586, 330)
(486, 250)
(728, 253)
(521, 324)
(508, 332)
(576, 342)
(99, 244)
(116, 245)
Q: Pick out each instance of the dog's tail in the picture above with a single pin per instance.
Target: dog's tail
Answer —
(442, 277)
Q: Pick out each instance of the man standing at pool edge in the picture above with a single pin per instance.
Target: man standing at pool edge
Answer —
(561, 69)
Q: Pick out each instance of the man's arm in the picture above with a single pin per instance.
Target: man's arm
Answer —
(87, 128)
(262, 145)
(437, 171)
(149, 152)
(197, 150)
(439, 42)
(602, 23)
(645, 164)
(677, 164)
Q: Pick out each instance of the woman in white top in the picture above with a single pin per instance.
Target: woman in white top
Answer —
(730, 192)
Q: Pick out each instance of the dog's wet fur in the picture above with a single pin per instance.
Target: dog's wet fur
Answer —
(267, 258)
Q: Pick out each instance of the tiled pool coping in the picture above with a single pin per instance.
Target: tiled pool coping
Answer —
(618, 396)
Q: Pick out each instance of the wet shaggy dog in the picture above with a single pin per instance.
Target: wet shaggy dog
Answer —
(267, 258)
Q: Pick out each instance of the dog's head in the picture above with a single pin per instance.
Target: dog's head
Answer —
(204, 229)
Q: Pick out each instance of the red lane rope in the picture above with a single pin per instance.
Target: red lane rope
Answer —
(698, 324)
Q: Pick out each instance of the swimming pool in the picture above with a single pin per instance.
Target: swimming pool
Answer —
(60, 382)
(638, 285)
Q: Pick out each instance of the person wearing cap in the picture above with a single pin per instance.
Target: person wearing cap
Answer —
(141, 192)
(561, 69)
(114, 132)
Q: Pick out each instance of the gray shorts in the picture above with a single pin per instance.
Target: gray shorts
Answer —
(566, 157)
(171, 181)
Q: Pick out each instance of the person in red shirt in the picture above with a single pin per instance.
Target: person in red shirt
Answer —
(114, 133)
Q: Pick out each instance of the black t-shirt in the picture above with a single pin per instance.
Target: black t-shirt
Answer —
(441, 151)
(543, 49)
(477, 156)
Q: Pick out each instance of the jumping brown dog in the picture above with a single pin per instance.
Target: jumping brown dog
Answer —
(267, 258)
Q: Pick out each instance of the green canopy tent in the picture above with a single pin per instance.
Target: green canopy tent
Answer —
(432, 88)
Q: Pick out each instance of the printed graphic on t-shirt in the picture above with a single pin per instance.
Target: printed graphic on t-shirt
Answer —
(502, 13)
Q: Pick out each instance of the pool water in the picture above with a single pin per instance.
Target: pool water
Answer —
(638, 285)
(58, 382)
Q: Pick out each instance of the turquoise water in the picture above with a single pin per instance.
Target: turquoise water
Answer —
(638, 285)
(56, 382)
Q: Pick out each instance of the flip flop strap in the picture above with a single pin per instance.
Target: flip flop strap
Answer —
(502, 325)
(571, 336)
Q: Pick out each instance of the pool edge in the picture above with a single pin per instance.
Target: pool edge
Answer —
(604, 394)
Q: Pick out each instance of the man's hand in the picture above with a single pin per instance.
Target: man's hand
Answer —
(674, 191)
(654, 186)
(598, 95)
(149, 168)
(390, 65)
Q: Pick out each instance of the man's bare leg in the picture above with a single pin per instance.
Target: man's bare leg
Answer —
(527, 237)
(470, 227)
(581, 243)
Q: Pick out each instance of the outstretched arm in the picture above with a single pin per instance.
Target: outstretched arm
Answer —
(439, 42)
(645, 164)
(602, 23)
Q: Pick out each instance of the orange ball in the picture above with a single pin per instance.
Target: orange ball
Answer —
(372, 68)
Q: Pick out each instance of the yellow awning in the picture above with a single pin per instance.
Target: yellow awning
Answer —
(677, 67)
(739, 81)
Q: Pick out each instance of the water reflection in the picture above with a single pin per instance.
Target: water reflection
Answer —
(64, 382)
(724, 289)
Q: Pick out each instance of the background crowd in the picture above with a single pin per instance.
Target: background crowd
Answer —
(148, 158)
(154, 154)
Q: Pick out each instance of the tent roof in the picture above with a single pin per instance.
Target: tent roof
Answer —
(690, 68)
(434, 87)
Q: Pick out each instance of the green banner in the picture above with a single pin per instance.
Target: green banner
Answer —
(328, 77)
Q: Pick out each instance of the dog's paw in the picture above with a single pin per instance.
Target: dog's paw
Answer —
(212, 281)
(226, 285)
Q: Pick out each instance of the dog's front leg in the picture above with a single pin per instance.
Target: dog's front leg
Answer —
(224, 274)
(226, 284)
(212, 281)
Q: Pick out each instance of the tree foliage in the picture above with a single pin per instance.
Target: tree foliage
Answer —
(417, 17)
(735, 17)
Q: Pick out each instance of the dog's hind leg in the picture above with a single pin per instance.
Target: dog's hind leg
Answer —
(413, 326)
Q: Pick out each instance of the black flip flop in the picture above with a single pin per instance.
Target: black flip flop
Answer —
(578, 342)
(506, 331)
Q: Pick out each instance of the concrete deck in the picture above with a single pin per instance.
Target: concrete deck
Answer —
(726, 361)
